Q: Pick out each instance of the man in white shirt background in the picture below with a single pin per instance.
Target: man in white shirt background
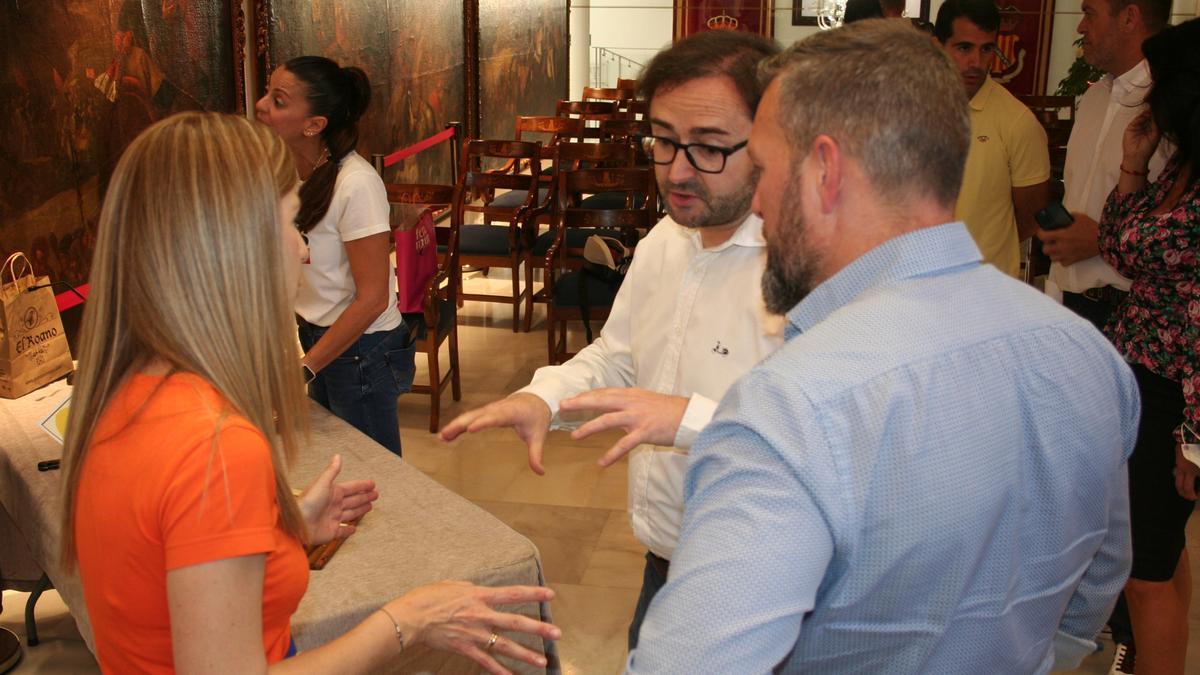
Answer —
(1113, 32)
(689, 318)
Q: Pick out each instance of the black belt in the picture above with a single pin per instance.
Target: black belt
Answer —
(1106, 294)
(660, 564)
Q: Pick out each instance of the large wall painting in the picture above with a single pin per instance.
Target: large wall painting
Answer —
(412, 51)
(79, 80)
(522, 61)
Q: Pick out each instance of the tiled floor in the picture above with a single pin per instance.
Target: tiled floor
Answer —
(575, 514)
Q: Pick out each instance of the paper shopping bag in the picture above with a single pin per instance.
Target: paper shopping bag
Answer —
(33, 344)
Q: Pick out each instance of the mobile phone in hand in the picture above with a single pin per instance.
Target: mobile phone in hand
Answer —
(1053, 217)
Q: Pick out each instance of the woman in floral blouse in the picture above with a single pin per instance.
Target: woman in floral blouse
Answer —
(1150, 232)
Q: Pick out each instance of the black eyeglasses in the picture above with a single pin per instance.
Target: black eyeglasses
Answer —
(706, 158)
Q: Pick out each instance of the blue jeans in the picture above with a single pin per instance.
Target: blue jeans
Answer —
(361, 385)
(652, 582)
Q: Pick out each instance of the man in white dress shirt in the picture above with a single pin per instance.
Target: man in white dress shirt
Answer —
(689, 318)
(1113, 32)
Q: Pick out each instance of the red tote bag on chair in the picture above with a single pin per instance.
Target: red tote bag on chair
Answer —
(416, 263)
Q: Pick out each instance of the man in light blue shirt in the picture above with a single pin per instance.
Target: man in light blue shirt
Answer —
(930, 475)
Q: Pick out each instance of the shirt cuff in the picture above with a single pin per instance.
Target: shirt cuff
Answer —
(1069, 651)
(547, 392)
(696, 416)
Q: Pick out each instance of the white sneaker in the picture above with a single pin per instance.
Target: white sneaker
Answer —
(1123, 660)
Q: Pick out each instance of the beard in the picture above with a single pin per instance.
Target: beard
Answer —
(792, 260)
(719, 210)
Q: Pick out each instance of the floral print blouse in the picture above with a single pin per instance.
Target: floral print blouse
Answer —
(1158, 323)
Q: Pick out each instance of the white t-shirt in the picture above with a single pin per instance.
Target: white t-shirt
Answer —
(359, 208)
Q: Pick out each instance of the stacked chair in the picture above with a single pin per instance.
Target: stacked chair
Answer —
(572, 293)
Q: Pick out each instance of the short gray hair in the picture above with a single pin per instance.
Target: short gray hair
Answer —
(888, 96)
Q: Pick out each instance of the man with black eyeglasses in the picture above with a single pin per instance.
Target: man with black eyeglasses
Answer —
(689, 319)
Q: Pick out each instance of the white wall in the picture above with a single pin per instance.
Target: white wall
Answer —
(639, 28)
(635, 29)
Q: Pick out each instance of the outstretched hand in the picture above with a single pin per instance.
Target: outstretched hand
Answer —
(528, 415)
(645, 417)
(326, 505)
(459, 617)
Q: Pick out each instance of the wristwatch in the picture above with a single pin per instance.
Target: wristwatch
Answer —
(308, 373)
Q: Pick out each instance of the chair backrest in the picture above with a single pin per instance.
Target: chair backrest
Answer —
(1049, 109)
(634, 109)
(421, 194)
(627, 130)
(554, 128)
(1057, 116)
(413, 206)
(474, 179)
(607, 94)
(623, 83)
(588, 110)
(604, 155)
(632, 220)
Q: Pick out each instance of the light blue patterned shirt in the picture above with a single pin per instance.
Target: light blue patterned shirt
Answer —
(929, 477)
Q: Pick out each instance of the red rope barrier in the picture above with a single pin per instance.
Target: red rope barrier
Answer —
(67, 299)
(413, 149)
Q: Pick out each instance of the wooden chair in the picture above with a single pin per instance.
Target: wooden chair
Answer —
(627, 84)
(489, 245)
(588, 110)
(572, 157)
(1057, 116)
(552, 130)
(438, 322)
(625, 131)
(607, 94)
(634, 109)
(563, 291)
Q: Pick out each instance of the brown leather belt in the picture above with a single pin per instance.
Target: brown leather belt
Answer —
(1106, 294)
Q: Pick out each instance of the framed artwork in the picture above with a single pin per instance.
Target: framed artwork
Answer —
(80, 80)
(522, 61)
(755, 16)
(804, 12)
(1023, 46)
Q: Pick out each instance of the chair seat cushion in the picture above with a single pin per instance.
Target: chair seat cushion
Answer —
(514, 198)
(575, 237)
(566, 291)
(607, 201)
(483, 239)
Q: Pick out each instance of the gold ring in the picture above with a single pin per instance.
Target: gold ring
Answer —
(491, 642)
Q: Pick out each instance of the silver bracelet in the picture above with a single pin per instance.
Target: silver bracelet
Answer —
(396, 625)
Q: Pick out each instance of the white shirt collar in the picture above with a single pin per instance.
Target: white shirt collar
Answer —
(748, 234)
(1132, 86)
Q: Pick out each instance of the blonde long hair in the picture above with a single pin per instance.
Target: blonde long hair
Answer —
(188, 269)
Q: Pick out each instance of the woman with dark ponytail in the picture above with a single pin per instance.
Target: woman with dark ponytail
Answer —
(358, 354)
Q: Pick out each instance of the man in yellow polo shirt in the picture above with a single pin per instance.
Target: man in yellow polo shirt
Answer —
(1007, 176)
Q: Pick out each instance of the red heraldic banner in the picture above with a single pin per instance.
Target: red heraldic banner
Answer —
(1023, 46)
(754, 16)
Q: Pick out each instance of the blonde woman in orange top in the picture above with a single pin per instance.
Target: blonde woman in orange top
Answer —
(186, 410)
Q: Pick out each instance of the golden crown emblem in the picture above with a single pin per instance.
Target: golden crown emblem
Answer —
(722, 22)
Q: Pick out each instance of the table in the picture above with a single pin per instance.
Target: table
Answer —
(418, 533)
